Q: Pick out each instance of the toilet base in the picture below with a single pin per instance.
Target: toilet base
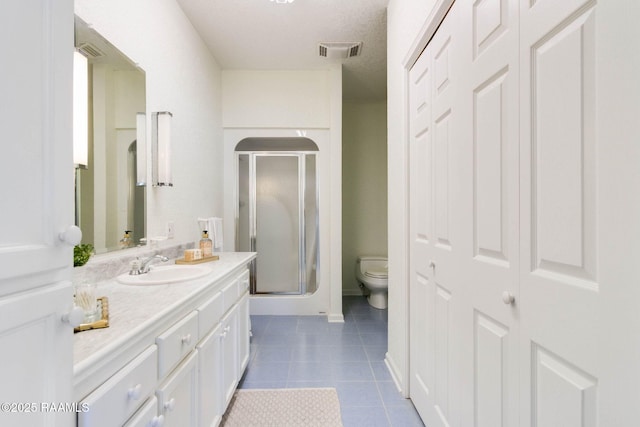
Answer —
(378, 300)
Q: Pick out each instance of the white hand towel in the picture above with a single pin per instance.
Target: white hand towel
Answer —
(217, 234)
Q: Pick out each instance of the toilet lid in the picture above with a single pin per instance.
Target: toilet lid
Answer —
(377, 274)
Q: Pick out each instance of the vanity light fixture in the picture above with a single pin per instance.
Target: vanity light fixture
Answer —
(282, 1)
(161, 148)
(80, 110)
(141, 149)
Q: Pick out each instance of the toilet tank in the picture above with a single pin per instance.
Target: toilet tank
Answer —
(372, 263)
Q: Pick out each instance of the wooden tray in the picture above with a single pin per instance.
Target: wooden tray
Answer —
(198, 261)
(103, 322)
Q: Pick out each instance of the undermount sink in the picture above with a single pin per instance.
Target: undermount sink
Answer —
(162, 275)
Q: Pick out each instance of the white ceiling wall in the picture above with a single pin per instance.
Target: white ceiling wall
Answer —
(264, 35)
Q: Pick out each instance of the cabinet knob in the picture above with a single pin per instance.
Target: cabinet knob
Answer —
(135, 392)
(170, 405)
(227, 329)
(432, 266)
(186, 339)
(74, 317)
(508, 298)
(157, 421)
(71, 236)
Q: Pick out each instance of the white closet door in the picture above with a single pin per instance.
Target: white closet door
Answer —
(579, 213)
(421, 291)
(435, 226)
(36, 172)
(488, 267)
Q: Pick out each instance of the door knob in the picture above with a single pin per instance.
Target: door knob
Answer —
(71, 236)
(74, 317)
(508, 298)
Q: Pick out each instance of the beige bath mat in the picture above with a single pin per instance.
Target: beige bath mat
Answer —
(293, 407)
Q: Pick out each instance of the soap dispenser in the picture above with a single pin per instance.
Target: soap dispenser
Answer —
(206, 244)
(125, 242)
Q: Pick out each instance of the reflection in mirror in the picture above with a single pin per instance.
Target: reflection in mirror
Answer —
(108, 202)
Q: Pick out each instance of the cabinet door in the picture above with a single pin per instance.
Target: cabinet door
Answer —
(36, 171)
(210, 372)
(229, 353)
(244, 330)
(177, 400)
(147, 416)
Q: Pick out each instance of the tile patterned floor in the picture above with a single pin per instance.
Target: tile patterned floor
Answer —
(307, 351)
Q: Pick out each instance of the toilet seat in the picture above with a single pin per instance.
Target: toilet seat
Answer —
(377, 274)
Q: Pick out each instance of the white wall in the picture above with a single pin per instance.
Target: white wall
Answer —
(278, 104)
(405, 19)
(364, 187)
(182, 77)
(282, 99)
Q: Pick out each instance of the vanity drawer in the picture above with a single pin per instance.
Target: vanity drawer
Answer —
(209, 314)
(230, 295)
(114, 401)
(243, 283)
(176, 342)
(147, 416)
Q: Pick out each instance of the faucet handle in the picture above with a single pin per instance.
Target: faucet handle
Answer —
(135, 267)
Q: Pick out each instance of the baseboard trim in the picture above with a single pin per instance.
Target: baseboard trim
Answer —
(395, 375)
(335, 318)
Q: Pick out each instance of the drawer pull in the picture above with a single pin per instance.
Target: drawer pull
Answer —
(135, 392)
(186, 339)
(170, 405)
(157, 421)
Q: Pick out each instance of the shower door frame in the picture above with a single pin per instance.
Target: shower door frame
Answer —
(302, 238)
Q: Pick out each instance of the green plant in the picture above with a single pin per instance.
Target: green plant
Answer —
(81, 254)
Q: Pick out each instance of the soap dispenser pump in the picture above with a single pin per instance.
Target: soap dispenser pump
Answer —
(206, 244)
(125, 242)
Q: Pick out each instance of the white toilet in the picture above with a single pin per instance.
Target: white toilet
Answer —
(373, 273)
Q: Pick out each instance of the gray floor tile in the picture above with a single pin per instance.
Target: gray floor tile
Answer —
(308, 351)
(404, 416)
(364, 417)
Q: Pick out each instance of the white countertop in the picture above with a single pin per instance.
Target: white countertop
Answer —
(135, 312)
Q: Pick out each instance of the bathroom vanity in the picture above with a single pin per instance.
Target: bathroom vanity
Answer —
(173, 353)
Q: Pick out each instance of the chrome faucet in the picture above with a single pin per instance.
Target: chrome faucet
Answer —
(142, 267)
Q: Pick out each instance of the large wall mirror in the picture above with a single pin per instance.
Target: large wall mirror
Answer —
(108, 201)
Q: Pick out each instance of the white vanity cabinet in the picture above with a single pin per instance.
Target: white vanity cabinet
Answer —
(119, 397)
(210, 369)
(147, 416)
(229, 344)
(187, 375)
(177, 396)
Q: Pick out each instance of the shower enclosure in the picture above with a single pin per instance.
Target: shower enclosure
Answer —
(277, 213)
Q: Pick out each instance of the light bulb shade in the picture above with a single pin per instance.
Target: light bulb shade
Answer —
(161, 144)
(80, 110)
(141, 149)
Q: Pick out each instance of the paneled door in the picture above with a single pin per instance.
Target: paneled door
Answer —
(579, 213)
(525, 224)
(489, 259)
(435, 220)
(36, 172)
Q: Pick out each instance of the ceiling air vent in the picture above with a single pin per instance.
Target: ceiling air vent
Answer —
(90, 51)
(339, 50)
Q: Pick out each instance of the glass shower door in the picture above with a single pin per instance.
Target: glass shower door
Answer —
(277, 220)
(277, 217)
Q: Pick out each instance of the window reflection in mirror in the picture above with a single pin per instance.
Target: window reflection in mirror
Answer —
(108, 202)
